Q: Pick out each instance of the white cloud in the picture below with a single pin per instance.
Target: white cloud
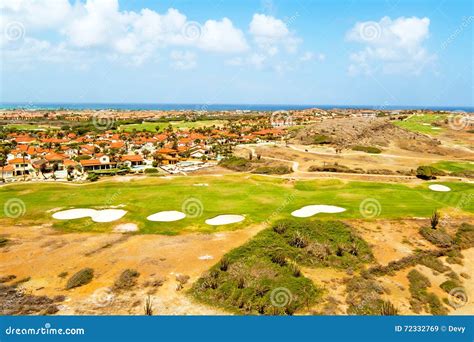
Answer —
(101, 26)
(34, 14)
(271, 34)
(390, 46)
(222, 36)
(183, 60)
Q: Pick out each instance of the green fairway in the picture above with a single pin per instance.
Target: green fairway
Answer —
(421, 123)
(151, 126)
(31, 127)
(260, 199)
(454, 166)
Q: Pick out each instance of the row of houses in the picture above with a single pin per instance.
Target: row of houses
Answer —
(33, 155)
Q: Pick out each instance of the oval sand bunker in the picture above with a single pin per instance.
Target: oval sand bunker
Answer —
(166, 216)
(108, 215)
(311, 210)
(72, 214)
(439, 187)
(225, 219)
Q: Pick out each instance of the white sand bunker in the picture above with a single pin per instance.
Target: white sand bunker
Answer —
(439, 187)
(107, 215)
(125, 228)
(167, 216)
(206, 257)
(311, 210)
(225, 219)
(201, 184)
(73, 214)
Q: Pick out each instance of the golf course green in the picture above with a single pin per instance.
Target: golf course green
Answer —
(260, 199)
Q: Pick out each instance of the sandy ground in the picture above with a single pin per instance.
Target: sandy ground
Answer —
(43, 254)
(301, 157)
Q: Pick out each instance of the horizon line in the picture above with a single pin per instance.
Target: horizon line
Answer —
(381, 107)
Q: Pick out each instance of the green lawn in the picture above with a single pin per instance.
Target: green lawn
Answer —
(151, 126)
(31, 127)
(454, 166)
(421, 123)
(259, 198)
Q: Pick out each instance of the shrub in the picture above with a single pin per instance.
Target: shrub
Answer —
(450, 284)
(298, 240)
(437, 237)
(333, 168)
(80, 278)
(236, 164)
(279, 258)
(464, 237)
(224, 264)
(92, 177)
(368, 149)
(151, 171)
(428, 172)
(3, 241)
(126, 280)
(321, 139)
(148, 308)
(434, 221)
(273, 170)
(420, 297)
(434, 264)
(388, 309)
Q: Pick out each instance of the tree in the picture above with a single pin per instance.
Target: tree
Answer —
(42, 169)
(23, 155)
(3, 163)
(434, 219)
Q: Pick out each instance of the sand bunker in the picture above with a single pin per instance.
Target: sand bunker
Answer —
(311, 210)
(201, 184)
(225, 219)
(125, 228)
(73, 214)
(439, 187)
(206, 257)
(107, 215)
(166, 216)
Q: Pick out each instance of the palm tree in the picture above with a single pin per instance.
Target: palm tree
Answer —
(3, 163)
(23, 155)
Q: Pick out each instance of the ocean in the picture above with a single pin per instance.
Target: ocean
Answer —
(208, 107)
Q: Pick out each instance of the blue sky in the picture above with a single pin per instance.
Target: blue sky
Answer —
(381, 53)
